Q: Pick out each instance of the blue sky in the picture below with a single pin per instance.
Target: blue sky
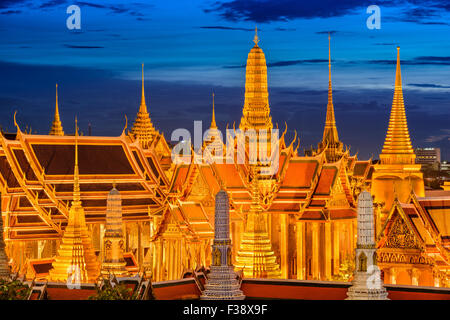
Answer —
(193, 47)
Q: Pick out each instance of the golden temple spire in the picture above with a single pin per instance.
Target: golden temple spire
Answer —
(397, 145)
(256, 112)
(56, 129)
(256, 39)
(143, 106)
(255, 256)
(330, 140)
(143, 128)
(76, 174)
(76, 262)
(213, 120)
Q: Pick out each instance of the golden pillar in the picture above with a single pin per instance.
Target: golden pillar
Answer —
(328, 250)
(336, 247)
(284, 243)
(300, 235)
(315, 250)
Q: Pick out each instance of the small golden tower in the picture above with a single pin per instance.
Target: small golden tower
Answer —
(113, 261)
(255, 256)
(57, 129)
(256, 112)
(213, 144)
(330, 141)
(143, 128)
(397, 172)
(76, 261)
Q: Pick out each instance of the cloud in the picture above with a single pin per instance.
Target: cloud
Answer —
(285, 10)
(422, 60)
(52, 3)
(327, 32)
(226, 28)
(11, 12)
(82, 47)
(7, 4)
(285, 29)
(119, 8)
(440, 137)
(428, 85)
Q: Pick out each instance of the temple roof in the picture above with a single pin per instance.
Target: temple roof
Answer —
(38, 171)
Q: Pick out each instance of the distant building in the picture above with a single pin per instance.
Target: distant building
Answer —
(428, 157)
(445, 166)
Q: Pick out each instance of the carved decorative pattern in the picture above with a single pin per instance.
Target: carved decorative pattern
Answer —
(401, 237)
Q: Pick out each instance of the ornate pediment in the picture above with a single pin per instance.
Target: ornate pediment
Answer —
(400, 236)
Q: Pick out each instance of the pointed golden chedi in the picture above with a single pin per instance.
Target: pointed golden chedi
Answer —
(76, 261)
(213, 143)
(143, 128)
(330, 141)
(56, 129)
(255, 256)
(397, 145)
(397, 174)
(256, 112)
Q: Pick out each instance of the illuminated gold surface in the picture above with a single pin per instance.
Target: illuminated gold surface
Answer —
(255, 256)
(397, 147)
(397, 175)
(57, 129)
(256, 112)
(76, 261)
(330, 141)
(143, 128)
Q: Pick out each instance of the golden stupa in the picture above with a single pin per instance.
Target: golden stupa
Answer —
(76, 261)
(56, 129)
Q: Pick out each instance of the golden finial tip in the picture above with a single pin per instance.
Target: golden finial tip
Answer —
(256, 39)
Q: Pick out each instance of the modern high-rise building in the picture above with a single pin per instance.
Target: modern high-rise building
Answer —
(428, 157)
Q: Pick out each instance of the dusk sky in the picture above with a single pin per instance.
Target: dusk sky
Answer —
(191, 48)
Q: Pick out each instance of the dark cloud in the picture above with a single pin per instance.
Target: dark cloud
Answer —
(428, 85)
(285, 10)
(117, 8)
(226, 28)
(52, 3)
(11, 12)
(327, 32)
(285, 29)
(7, 4)
(82, 47)
(423, 60)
